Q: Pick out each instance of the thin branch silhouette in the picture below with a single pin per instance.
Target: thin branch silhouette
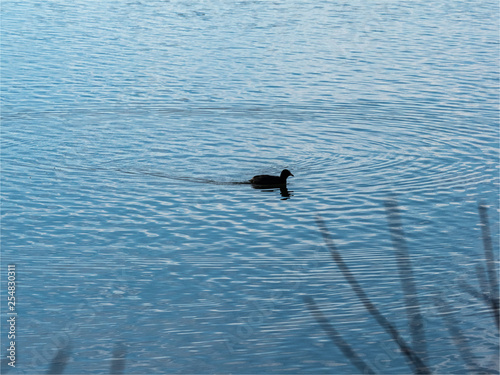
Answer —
(336, 337)
(118, 360)
(490, 263)
(60, 361)
(406, 276)
(415, 361)
(458, 338)
(466, 287)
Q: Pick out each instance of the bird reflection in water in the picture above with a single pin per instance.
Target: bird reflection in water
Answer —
(285, 193)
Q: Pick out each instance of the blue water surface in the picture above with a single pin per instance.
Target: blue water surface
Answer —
(128, 128)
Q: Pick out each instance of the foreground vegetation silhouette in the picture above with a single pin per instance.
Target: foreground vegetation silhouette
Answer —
(415, 353)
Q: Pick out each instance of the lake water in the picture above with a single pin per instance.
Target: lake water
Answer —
(126, 126)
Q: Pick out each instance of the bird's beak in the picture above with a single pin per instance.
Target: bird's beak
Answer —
(292, 175)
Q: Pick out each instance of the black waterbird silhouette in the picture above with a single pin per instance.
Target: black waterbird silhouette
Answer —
(266, 181)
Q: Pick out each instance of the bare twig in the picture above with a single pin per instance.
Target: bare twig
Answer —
(458, 338)
(490, 263)
(406, 277)
(336, 338)
(419, 365)
(60, 361)
(474, 293)
(118, 360)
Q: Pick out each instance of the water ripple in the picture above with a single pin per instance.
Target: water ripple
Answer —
(128, 131)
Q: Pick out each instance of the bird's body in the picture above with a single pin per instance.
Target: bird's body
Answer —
(271, 181)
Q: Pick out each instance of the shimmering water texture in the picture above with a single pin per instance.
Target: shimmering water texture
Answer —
(130, 131)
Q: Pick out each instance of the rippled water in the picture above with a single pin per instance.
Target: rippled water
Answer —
(127, 126)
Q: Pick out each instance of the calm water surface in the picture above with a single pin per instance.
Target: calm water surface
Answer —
(125, 126)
